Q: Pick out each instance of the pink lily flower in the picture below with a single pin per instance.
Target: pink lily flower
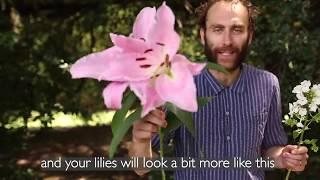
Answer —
(147, 62)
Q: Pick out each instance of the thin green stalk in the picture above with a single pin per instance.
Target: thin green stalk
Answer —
(163, 174)
(299, 144)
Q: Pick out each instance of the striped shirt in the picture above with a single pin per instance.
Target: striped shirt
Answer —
(240, 121)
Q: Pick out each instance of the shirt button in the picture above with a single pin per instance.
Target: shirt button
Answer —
(228, 138)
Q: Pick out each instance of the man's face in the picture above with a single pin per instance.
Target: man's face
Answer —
(227, 36)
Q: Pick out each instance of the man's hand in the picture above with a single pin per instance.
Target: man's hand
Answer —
(144, 128)
(294, 158)
(142, 132)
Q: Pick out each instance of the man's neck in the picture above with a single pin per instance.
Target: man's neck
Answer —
(226, 79)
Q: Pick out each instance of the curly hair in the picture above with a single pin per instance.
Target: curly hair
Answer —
(203, 9)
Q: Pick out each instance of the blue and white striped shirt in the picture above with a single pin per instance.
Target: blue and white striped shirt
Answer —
(240, 121)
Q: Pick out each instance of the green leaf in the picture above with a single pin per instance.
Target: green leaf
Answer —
(317, 118)
(296, 133)
(313, 144)
(290, 122)
(173, 123)
(119, 133)
(307, 141)
(315, 148)
(202, 101)
(217, 67)
(184, 116)
(120, 115)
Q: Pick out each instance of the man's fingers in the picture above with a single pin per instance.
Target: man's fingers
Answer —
(289, 148)
(144, 128)
(300, 150)
(298, 157)
(158, 113)
(156, 120)
(151, 118)
(142, 135)
(295, 150)
(149, 127)
(295, 158)
(293, 162)
(295, 165)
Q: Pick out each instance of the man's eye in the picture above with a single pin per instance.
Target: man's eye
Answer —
(217, 30)
(237, 30)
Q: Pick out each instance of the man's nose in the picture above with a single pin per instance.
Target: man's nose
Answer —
(227, 38)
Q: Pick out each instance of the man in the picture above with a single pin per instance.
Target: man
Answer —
(244, 117)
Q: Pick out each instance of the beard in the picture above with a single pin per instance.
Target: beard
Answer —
(241, 53)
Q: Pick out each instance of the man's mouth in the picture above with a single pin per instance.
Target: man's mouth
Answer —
(226, 53)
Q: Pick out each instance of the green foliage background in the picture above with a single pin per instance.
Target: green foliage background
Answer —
(40, 38)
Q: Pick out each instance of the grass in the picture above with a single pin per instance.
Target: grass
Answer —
(61, 119)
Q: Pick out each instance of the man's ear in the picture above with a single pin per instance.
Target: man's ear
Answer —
(202, 35)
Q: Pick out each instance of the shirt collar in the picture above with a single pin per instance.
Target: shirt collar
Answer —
(238, 86)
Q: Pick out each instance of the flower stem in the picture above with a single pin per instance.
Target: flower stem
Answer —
(163, 174)
(299, 144)
(288, 175)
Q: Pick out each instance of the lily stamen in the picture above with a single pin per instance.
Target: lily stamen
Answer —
(145, 66)
(160, 44)
(141, 59)
(148, 50)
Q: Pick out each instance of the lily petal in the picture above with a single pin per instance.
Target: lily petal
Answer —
(163, 33)
(111, 65)
(113, 94)
(126, 68)
(93, 65)
(129, 44)
(194, 68)
(144, 22)
(179, 88)
(148, 96)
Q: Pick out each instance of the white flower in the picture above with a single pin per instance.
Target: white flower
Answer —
(316, 93)
(313, 107)
(286, 117)
(316, 90)
(300, 125)
(300, 96)
(302, 100)
(316, 100)
(294, 108)
(306, 83)
(302, 111)
(305, 86)
(290, 109)
(302, 88)
(297, 89)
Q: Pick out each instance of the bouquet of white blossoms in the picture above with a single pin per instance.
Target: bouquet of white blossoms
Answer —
(303, 112)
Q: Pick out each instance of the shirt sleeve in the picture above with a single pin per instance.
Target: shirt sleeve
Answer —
(274, 134)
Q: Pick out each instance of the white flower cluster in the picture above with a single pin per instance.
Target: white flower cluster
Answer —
(303, 112)
(308, 101)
